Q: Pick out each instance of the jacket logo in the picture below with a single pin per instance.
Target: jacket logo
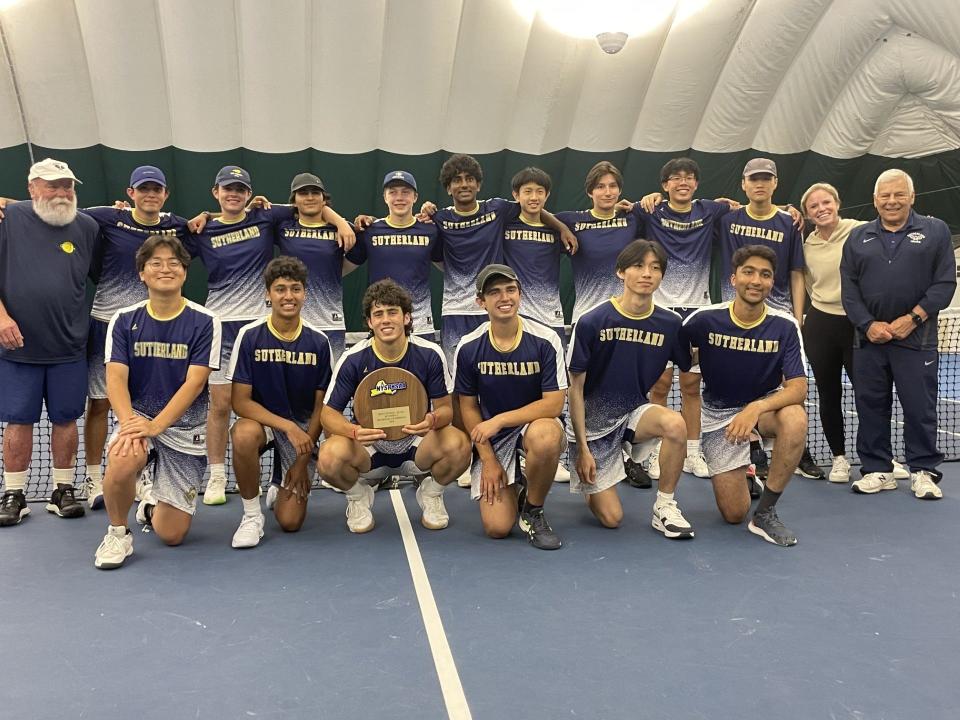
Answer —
(67, 247)
(916, 237)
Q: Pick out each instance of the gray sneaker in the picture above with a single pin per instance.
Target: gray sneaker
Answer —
(541, 535)
(767, 525)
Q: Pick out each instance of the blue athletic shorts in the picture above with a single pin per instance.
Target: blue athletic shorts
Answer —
(454, 328)
(25, 387)
(229, 329)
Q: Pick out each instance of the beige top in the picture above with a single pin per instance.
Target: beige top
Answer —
(822, 274)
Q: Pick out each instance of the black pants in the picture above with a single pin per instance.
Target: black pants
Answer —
(828, 342)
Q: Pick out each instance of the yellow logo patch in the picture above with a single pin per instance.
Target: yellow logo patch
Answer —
(384, 388)
(67, 247)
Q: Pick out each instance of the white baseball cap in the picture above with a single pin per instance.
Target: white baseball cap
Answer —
(50, 169)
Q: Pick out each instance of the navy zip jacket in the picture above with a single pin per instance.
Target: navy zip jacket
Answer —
(882, 281)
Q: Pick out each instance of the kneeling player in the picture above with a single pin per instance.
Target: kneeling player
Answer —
(754, 376)
(510, 379)
(280, 369)
(159, 355)
(353, 456)
(618, 350)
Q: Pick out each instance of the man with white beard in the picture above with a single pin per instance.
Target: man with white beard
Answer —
(46, 253)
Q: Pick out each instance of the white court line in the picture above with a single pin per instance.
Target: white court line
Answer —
(450, 686)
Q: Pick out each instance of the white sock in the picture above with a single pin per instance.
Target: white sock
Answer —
(15, 481)
(637, 454)
(63, 476)
(252, 506)
(93, 472)
(693, 448)
(218, 470)
(431, 487)
(664, 497)
(117, 530)
(356, 492)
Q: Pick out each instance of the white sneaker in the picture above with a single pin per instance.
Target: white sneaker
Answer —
(668, 519)
(840, 472)
(144, 482)
(216, 492)
(874, 482)
(899, 471)
(653, 463)
(359, 516)
(94, 490)
(113, 550)
(923, 486)
(434, 515)
(696, 465)
(250, 531)
(272, 493)
(562, 475)
(463, 480)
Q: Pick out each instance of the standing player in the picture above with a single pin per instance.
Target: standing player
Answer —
(618, 350)
(280, 370)
(352, 455)
(760, 222)
(159, 355)
(511, 384)
(684, 227)
(754, 377)
(122, 232)
(46, 254)
(402, 248)
(235, 247)
(533, 250)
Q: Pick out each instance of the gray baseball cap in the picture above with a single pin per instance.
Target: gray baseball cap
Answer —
(760, 165)
(494, 271)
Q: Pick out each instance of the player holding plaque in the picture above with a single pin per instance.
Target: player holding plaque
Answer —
(511, 382)
(354, 455)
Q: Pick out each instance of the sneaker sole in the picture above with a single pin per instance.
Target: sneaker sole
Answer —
(928, 496)
(808, 476)
(216, 500)
(233, 543)
(111, 565)
(60, 513)
(845, 479)
(760, 532)
(433, 526)
(671, 534)
(361, 531)
(689, 471)
(11, 522)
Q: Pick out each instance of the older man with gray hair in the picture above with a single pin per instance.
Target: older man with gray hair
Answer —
(46, 253)
(897, 272)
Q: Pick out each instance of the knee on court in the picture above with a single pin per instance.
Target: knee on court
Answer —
(289, 524)
(497, 530)
(609, 517)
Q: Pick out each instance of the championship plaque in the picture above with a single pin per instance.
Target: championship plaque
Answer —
(388, 399)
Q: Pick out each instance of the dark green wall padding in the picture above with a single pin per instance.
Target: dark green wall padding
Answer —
(354, 182)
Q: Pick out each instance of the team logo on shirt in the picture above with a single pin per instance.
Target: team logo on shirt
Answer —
(385, 388)
(67, 247)
(916, 237)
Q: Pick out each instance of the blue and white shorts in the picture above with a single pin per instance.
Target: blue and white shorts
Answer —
(607, 451)
(721, 454)
(507, 450)
(177, 476)
(229, 329)
(96, 360)
(401, 462)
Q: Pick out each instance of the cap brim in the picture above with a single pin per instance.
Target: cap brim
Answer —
(50, 178)
(137, 184)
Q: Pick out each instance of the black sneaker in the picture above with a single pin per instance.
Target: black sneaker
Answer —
(13, 508)
(636, 475)
(63, 503)
(758, 457)
(767, 525)
(754, 484)
(808, 468)
(541, 535)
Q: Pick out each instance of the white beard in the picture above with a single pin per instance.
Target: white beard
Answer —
(57, 211)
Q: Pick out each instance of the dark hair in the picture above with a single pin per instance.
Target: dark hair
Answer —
(293, 195)
(387, 293)
(604, 167)
(460, 163)
(742, 254)
(636, 252)
(677, 165)
(150, 245)
(530, 175)
(284, 266)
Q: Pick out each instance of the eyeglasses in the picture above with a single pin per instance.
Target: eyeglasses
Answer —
(173, 264)
(898, 196)
(682, 178)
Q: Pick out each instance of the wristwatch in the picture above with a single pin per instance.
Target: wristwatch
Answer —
(917, 320)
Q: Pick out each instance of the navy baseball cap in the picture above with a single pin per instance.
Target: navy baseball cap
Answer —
(147, 173)
(233, 174)
(401, 176)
